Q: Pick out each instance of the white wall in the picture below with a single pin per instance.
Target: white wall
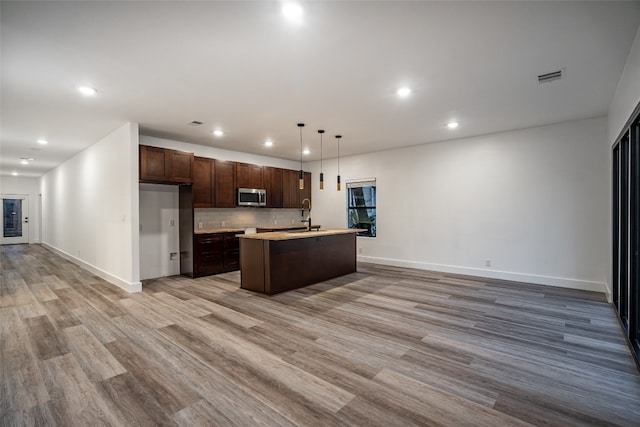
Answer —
(31, 188)
(532, 201)
(90, 208)
(159, 231)
(627, 95)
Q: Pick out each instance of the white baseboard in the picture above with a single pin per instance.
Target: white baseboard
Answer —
(493, 274)
(127, 286)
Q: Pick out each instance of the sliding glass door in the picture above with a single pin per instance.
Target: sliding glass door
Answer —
(633, 295)
(626, 232)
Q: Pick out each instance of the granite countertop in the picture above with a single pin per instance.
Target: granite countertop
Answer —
(218, 230)
(240, 230)
(283, 235)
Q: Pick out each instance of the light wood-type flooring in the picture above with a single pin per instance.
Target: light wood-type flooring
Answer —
(385, 346)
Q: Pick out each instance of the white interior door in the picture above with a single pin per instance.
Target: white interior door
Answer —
(15, 219)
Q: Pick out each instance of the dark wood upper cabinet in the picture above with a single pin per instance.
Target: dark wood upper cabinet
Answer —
(224, 183)
(181, 167)
(162, 165)
(290, 189)
(203, 182)
(292, 196)
(154, 164)
(215, 182)
(272, 178)
(249, 176)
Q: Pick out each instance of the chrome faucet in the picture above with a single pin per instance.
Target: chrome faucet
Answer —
(308, 220)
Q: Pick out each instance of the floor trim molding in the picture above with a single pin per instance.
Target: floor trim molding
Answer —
(492, 274)
(127, 286)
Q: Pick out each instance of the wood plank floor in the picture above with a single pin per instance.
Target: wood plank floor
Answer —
(384, 346)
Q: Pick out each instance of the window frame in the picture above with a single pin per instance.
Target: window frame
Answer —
(372, 228)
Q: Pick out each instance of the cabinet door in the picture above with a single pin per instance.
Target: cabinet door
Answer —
(209, 254)
(290, 189)
(224, 184)
(231, 252)
(273, 184)
(181, 170)
(202, 182)
(154, 164)
(249, 176)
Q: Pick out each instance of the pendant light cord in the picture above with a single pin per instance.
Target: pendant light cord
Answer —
(320, 151)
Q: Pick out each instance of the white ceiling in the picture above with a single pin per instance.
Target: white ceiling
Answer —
(241, 66)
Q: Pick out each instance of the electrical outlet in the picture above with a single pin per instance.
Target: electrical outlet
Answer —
(293, 221)
(359, 250)
(199, 225)
(275, 222)
(487, 263)
(173, 256)
(172, 223)
(223, 223)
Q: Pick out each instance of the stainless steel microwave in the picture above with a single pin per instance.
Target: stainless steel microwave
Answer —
(252, 197)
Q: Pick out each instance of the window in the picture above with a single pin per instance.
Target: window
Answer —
(361, 206)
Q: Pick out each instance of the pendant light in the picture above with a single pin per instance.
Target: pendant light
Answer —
(301, 175)
(338, 181)
(320, 131)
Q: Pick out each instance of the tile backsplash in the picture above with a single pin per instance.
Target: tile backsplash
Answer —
(246, 217)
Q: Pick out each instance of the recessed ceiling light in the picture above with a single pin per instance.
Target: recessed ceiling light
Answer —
(24, 162)
(452, 125)
(268, 143)
(43, 141)
(218, 132)
(292, 11)
(14, 173)
(306, 151)
(87, 91)
(404, 92)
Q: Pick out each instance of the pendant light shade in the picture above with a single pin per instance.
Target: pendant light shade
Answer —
(320, 131)
(338, 143)
(301, 175)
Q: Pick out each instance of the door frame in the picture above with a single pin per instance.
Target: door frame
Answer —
(25, 221)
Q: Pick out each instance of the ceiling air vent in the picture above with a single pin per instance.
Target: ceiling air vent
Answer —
(194, 123)
(549, 77)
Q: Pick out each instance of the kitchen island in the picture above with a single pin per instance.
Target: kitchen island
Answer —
(280, 261)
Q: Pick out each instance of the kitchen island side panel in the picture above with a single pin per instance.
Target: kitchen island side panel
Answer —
(301, 262)
(252, 264)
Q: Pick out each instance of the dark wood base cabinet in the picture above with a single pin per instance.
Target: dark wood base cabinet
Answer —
(215, 253)
(273, 266)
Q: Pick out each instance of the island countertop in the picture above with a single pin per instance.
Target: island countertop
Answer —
(283, 235)
(275, 262)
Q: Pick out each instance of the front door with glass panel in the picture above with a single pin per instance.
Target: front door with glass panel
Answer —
(15, 219)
